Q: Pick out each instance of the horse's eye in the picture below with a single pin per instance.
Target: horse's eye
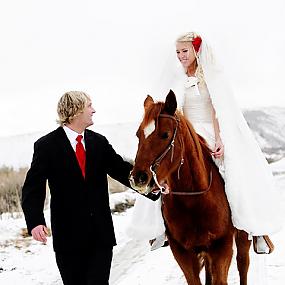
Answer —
(165, 135)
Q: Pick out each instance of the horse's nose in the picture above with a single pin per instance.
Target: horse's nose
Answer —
(140, 178)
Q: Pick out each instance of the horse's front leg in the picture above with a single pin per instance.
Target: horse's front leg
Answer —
(220, 255)
(243, 245)
(188, 261)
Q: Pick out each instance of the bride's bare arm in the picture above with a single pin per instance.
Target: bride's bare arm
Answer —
(219, 147)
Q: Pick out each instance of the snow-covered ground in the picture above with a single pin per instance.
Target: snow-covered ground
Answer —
(27, 262)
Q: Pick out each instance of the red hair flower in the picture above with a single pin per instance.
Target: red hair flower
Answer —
(197, 43)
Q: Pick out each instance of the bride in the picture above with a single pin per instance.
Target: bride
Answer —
(208, 103)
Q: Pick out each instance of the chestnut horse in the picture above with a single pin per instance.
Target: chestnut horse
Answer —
(195, 209)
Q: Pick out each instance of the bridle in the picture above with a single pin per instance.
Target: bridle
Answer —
(153, 167)
(157, 161)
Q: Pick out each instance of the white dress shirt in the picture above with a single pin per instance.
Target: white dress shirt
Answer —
(72, 135)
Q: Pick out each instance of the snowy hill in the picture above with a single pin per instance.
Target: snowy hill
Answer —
(267, 124)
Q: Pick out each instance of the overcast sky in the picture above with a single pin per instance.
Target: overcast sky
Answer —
(114, 50)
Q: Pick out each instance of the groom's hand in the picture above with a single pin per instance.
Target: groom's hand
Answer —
(40, 233)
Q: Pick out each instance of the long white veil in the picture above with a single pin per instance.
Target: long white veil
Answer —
(251, 193)
(250, 186)
(170, 75)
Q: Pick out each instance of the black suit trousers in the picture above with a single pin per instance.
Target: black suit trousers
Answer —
(85, 268)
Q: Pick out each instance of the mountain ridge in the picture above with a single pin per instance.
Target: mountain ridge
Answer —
(267, 125)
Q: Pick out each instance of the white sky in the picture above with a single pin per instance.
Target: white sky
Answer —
(114, 50)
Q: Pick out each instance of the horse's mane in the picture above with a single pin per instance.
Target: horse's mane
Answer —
(199, 148)
(200, 152)
(151, 113)
(199, 140)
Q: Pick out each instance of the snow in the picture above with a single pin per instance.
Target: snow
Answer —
(278, 166)
(27, 262)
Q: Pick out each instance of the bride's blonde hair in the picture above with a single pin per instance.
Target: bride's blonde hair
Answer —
(189, 38)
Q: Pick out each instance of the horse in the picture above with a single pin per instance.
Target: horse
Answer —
(196, 212)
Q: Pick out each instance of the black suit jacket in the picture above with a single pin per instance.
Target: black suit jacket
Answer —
(80, 212)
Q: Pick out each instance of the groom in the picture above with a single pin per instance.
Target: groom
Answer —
(75, 161)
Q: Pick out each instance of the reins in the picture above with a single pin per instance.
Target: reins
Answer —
(196, 192)
(157, 162)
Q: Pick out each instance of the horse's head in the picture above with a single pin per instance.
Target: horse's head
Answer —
(156, 155)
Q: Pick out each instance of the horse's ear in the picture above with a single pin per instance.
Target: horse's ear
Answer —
(170, 103)
(148, 100)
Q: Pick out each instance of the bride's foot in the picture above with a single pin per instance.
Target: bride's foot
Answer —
(160, 241)
(262, 244)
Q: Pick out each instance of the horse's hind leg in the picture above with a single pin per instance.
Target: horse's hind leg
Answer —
(243, 245)
(220, 256)
(188, 262)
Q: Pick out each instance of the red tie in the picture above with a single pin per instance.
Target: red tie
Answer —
(80, 154)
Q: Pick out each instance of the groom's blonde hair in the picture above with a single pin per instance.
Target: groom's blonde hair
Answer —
(70, 105)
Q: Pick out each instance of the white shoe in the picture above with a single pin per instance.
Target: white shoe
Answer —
(261, 245)
(158, 242)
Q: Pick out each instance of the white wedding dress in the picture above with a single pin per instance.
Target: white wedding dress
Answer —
(198, 109)
(249, 182)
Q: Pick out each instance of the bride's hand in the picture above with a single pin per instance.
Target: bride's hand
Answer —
(219, 148)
